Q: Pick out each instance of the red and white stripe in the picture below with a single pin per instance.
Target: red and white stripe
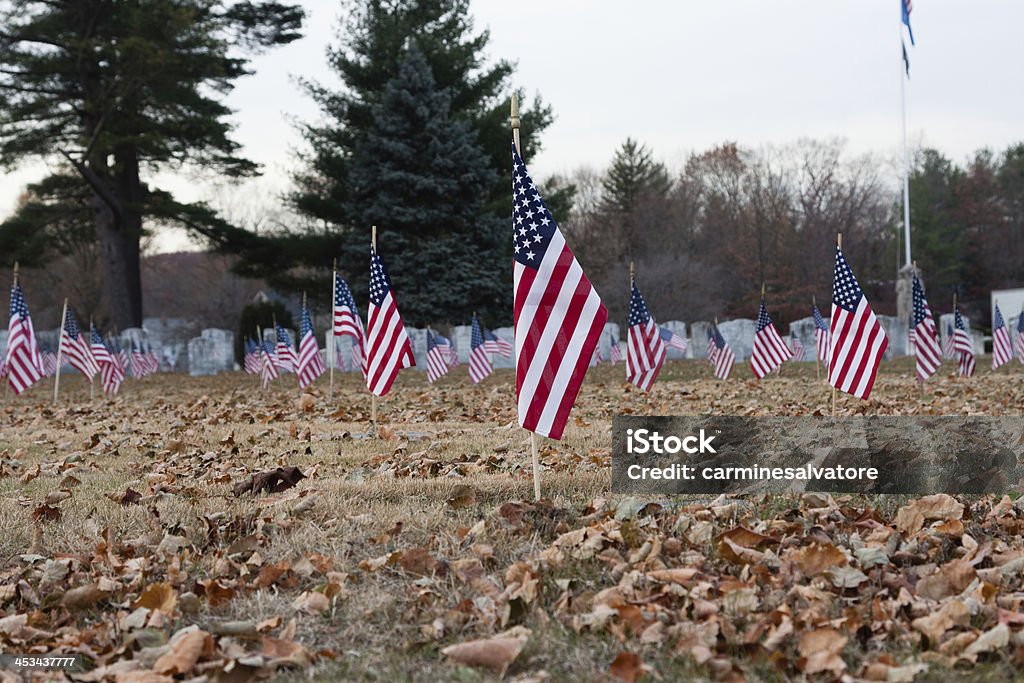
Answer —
(858, 340)
(22, 363)
(927, 352)
(310, 365)
(388, 347)
(645, 348)
(76, 352)
(1002, 351)
(437, 359)
(770, 349)
(963, 346)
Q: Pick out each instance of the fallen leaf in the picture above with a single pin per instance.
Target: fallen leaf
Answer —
(495, 653)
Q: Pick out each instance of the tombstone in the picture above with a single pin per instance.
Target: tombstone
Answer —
(803, 330)
(509, 335)
(905, 295)
(418, 341)
(699, 339)
(212, 352)
(739, 334)
(947, 323)
(462, 336)
(679, 328)
(341, 358)
(896, 335)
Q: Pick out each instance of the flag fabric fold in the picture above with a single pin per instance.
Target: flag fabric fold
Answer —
(927, 351)
(672, 340)
(310, 365)
(1002, 352)
(496, 344)
(963, 345)
(857, 338)
(388, 349)
(558, 315)
(348, 323)
(268, 364)
(74, 348)
(645, 350)
(479, 358)
(21, 363)
(437, 358)
(284, 351)
(720, 354)
(770, 350)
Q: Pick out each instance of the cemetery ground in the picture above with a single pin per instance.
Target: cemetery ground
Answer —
(156, 535)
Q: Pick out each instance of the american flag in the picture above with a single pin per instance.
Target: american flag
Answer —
(22, 363)
(645, 350)
(268, 365)
(496, 344)
(1019, 341)
(948, 351)
(437, 359)
(720, 354)
(100, 352)
(821, 334)
(964, 347)
(614, 352)
(479, 360)
(597, 358)
(797, 346)
(672, 340)
(387, 343)
(287, 359)
(449, 350)
(139, 367)
(926, 343)
(347, 321)
(558, 316)
(858, 340)
(251, 359)
(49, 362)
(75, 349)
(310, 365)
(770, 350)
(1002, 352)
(112, 372)
(339, 357)
(152, 360)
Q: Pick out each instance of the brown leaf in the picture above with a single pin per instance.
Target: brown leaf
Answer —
(627, 667)
(271, 481)
(495, 653)
(186, 647)
(55, 497)
(462, 496)
(935, 624)
(816, 558)
(312, 602)
(82, 597)
(820, 649)
(129, 497)
(158, 596)
(46, 513)
(306, 403)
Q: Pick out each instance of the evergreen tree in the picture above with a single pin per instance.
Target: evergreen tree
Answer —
(634, 177)
(119, 91)
(938, 232)
(422, 176)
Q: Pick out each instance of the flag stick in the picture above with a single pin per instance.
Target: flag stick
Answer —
(514, 122)
(60, 349)
(817, 361)
(839, 245)
(373, 396)
(333, 350)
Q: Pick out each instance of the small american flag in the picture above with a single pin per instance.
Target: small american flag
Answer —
(251, 359)
(926, 343)
(99, 350)
(112, 373)
(1002, 352)
(1019, 341)
(558, 316)
(387, 343)
(49, 361)
(437, 359)
(310, 364)
(672, 340)
(449, 350)
(948, 350)
(347, 320)
(797, 346)
(964, 347)
(22, 363)
(770, 350)
(479, 360)
(496, 344)
(597, 358)
(75, 349)
(268, 364)
(645, 351)
(720, 353)
(614, 353)
(138, 360)
(858, 340)
(821, 334)
(287, 359)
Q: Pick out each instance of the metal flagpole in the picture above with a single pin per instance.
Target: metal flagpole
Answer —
(333, 346)
(906, 161)
(514, 122)
(60, 349)
(373, 396)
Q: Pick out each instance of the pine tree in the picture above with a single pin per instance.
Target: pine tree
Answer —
(421, 175)
(634, 176)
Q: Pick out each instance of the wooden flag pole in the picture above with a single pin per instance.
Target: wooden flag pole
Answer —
(333, 346)
(839, 245)
(817, 361)
(373, 396)
(514, 121)
(60, 350)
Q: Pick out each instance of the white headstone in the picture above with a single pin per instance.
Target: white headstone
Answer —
(739, 335)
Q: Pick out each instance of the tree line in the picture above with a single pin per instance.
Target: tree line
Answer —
(416, 141)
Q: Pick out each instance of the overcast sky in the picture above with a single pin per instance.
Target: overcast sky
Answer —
(683, 75)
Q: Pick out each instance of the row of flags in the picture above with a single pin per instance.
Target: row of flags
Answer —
(26, 362)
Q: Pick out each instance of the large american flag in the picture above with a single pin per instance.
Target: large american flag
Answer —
(1019, 341)
(857, 338)
(310, 364)
(821, 334)
(926, 343)
(21, 361)
(720, 354)
(672, 340)
(387, 345)
(287, 359)
(1002, 352)
(437, 359)
(558, 316)
(496, 344)
(963, 345)
(347, 321)
(770, 350)
(479, 359)
(645, 350)
(75, 349)
(268, 365)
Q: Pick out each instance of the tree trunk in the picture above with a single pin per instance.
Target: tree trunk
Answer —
(119, 234)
